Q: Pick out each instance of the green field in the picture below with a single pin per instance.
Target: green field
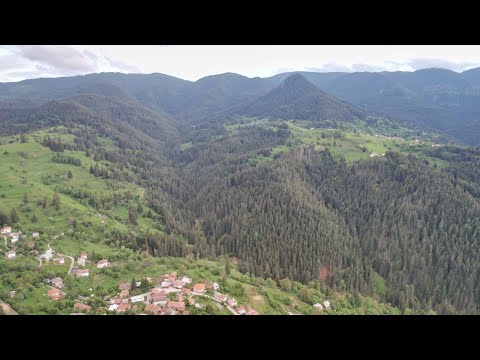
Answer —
(353, 144)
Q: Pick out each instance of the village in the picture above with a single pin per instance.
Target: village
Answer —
(168, 295)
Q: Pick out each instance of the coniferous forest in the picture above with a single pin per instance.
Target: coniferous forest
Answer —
(226, 174)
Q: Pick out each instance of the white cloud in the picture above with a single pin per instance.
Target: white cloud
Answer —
(194, 62)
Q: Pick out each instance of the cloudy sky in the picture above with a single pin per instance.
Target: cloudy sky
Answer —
(193, 62)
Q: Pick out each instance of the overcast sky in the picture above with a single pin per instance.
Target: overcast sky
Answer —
(193, 62)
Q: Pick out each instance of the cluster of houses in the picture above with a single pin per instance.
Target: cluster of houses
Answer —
(325, 305)
(157, 301)
(6, 232)
(82, 262)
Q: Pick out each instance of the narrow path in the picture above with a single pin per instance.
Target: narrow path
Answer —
(72, 260)
(40, 262)
(7, 308)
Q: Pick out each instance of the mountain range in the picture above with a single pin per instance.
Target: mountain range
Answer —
(436, 99)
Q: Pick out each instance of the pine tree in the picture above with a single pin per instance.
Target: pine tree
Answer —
(45, 203)
(14, 216)
(227, 265)
(23, 138)
(56, 200)
(25, 198)
(34, 218)
(70, 175)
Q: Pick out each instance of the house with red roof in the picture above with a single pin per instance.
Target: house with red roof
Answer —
(125, 286)
(54, 294)
(241, 310)
(177, 284)
(177, 305)
(153, 309)
(232, 302)
(124, 294)
(82, 307)
(220, 297)
(123, 307)
(199, 288)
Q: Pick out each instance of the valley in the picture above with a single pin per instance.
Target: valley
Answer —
(278, 190)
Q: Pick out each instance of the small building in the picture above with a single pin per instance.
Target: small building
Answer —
(165, 284)
(14, 239)
(191, 301)
(5, 230)
(83, 255)
(241, 310)
(11, 255)
(123, 307)
(252, 312)
(159, 299)
(35, 235)
(177, 305)
(186, 291)
(138, 284)
(82, 307)
(326, 304)
(83, 273)
(232, 302)
(54, 294)
(59, 260)
(113, 307)
(57, 282)
(153, 309)
(177, 284)
(171, 311)
(157, 291)
(125, 286)
(138, 298)
(318, 306)
(124, 294)
(216, 286)
(198, 305)
(160, 280)
(220, 297)
(199, 288)
(103, 264)
(185, 280)
(149, 279)
(81, 261)
(170, 279)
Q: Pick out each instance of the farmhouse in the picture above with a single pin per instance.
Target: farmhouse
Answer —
(216, 286)
(103, 264)
(185, 280)
(165, 284)
(232, 302)
(178, 284)
(318, 306)
(186, 291)
(153, 309)
(11, 255)
(326, 304)
(241, 310)
(59, 260)
(220, 297)
(82, 273)
(54, 294)
(5, 230)
(125, 286)
(139, 298)
(35, 235)
(57, 282)
(123, 307)
(176, 305)
(199, 288)
(159, 299)
(82, 307)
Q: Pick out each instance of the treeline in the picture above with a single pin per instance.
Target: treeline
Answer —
(65, 159)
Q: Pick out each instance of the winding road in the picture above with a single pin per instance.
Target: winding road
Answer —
(72, 260)
(8, 310)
